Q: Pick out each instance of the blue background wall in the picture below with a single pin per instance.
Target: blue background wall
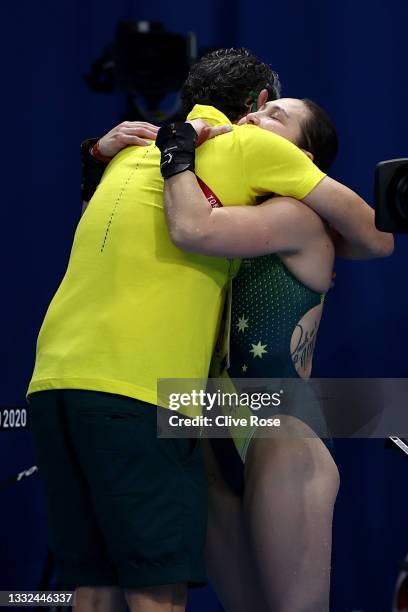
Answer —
(351, 57)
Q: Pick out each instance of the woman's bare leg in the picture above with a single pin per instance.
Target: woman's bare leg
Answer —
(166, 598)
(99, 599)
(290, 488)
(229, 561)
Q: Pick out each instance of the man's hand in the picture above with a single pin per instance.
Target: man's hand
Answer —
(126, 134)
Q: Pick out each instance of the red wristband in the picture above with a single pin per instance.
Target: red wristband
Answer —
(95, 152)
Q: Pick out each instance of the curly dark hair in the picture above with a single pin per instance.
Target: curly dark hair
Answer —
(225, 78)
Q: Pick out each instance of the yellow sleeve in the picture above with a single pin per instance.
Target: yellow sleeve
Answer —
(274, 165)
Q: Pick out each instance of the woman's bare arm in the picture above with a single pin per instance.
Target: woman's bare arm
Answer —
(248, 231)
(233, 231)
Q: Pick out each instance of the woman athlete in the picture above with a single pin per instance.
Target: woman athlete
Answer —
(269, 549)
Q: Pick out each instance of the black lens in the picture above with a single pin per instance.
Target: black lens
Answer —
(401, 197)
(397, 196)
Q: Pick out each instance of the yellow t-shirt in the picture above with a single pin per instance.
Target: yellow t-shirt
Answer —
(132, 307)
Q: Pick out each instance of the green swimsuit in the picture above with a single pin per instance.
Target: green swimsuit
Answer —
(268, 303)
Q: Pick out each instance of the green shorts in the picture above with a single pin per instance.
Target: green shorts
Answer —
(125, 508)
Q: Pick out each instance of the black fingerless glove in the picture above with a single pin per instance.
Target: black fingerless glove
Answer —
(177, 143)
(92, 170)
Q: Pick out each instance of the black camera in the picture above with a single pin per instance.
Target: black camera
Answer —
(144, 60)
(391, 196)
(149, 59)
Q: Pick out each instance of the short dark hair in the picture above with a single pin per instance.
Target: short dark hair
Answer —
(225, 78)
(319, 136)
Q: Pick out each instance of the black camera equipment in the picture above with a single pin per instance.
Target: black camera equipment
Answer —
(391, 196)
(148, 63)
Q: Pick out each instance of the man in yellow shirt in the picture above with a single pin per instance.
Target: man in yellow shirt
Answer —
(127, 509)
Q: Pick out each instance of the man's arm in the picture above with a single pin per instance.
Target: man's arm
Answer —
(343, 209)
(296, 176)
(275, 226)
(353, 220)
(233, 231)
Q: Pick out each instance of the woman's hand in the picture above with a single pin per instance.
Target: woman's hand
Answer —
(133, 133)
(206, 131)
(126, 134)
